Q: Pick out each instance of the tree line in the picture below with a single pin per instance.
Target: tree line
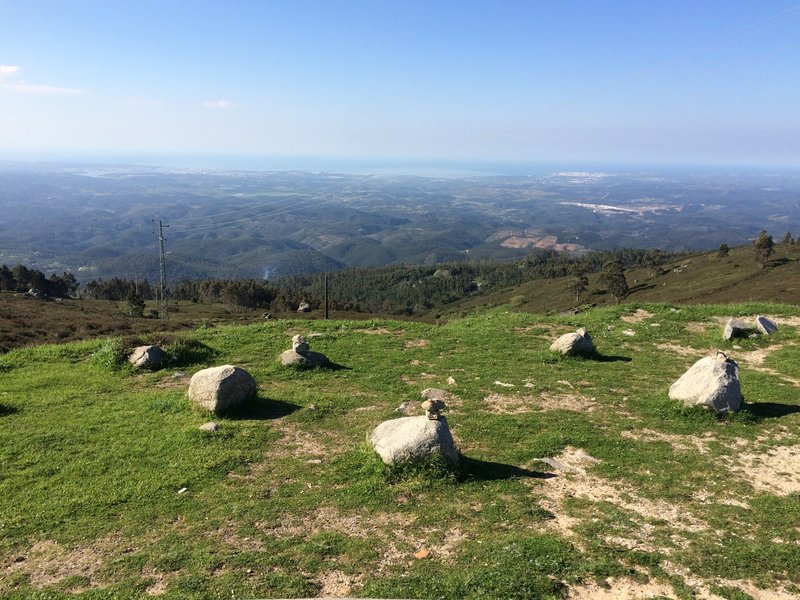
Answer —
(22, 279)
(395, 289)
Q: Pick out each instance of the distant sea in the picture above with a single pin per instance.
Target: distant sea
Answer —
(370, 166)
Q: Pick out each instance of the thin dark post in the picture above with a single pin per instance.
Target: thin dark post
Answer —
(326, 296)
(163, 262)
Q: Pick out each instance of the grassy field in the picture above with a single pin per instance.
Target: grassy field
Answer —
(108, 489)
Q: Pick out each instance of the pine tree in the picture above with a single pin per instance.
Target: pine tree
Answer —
(765, 247)
(613, 277)
(577, 284)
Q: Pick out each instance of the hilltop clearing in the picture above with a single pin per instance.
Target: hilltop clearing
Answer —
(579, 478)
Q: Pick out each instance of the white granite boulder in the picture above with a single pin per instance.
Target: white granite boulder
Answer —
(712, 382)
(146, 357)
(221, 388)
(414, 439)
(574, 344)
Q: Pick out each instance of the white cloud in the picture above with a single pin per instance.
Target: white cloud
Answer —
(7, 72)
(219, 104)
(47, 90)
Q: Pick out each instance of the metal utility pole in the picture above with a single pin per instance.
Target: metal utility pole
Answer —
(163, 264)
(326, 296)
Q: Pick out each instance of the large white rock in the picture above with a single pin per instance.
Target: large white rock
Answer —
(146, 357)
(413, 439)
(578, 343)
(766, 325)
(712, 382)
(221, 388)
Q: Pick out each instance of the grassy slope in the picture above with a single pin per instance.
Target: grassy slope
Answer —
(702, 279)
(285, 500)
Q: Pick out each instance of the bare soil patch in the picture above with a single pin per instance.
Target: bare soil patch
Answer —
(574, 480)
(681, 443)
(620, 588)
(775, 470)
(506, 404)
(637, 317)
(379, 331)
(696, 327)
(572, 402)
(790, 321)
(337, 584)
(681, 350)
(393, 534)
(416, 344)
(47, 562)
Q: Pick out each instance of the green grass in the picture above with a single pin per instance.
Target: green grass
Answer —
(287, 495)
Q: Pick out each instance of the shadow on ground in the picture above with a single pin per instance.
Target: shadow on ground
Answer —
(262, 409)
(482, 470)
(5, 409)
(770, 410)
(597, 357)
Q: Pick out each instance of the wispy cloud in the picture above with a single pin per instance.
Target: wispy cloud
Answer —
(9, 80)
(219, 104)
(7, 70)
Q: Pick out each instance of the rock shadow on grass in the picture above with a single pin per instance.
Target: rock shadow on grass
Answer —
(472, 469)
(6, 409)
(261, 409)
(769, 410)
(597, 357)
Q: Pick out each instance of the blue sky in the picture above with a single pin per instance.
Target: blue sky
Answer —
(711, 82)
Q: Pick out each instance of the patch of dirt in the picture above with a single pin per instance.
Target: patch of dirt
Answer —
(47, 562)
(776, 470)
(379, 331)
(328, 518)
(572, 402)
(337, 584)
(159, 585)
(574, 480)
(703, 591)
(637, 317)
(681, 443)
(620, 588)
(299, 444)
(696, 327)
(295, 443)
(790, 321)
(756, 358)
(681, 350)
(512, 404)
(172, 382)
(392, 533)
(504, 404)
(416, 344)
(228, 535)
